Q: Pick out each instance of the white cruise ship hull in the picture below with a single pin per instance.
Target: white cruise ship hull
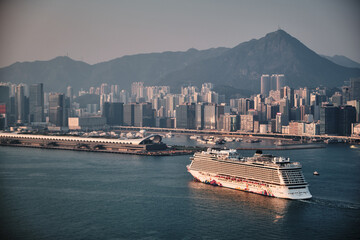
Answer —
(272, 190)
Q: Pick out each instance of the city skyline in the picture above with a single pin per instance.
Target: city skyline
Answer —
(98, 31)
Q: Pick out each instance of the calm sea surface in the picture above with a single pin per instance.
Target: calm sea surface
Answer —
(55, 194)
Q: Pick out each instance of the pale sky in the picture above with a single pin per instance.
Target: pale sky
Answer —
(95, 31)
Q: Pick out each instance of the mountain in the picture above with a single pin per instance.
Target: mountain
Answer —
(233, 70)
(56, 74)
(343, 61)
(60, 72)
(277, 52)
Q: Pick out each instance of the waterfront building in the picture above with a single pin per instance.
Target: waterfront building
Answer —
(263, 128)
(36, 103)
(113, 112)
(229, 122)
(3, 116)
(58, 111)
(199, 116)
(210, 116)
(247, 123)
(185, 116)
(144, 115)
(347, 116)
(128, 116)
(86, 123)
(355, 129)
(5, 105)
(329, 119)
(356, 105)
(20, 104)
(312, 128)
(296, 128)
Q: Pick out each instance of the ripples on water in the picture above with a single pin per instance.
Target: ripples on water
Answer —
(49, 194)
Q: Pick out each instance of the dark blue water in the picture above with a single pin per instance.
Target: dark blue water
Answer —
(53, 194)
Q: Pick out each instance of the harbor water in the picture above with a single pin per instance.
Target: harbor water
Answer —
(58, 194)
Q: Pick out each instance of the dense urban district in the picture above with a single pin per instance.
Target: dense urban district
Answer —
(278, 109)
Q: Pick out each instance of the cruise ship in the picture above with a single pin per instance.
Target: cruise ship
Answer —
(262, 174)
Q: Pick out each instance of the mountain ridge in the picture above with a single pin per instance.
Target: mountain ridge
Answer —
(239, 67)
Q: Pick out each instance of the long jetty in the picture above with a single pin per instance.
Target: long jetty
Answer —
(148, 146)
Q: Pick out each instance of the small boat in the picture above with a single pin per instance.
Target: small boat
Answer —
(169, 135)
(194, 137)
(316, 173)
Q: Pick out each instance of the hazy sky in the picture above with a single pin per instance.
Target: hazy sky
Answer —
(96, 31)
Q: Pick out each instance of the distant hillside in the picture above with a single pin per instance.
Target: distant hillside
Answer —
(234, 71)
(60, 72)
(277, 52)
(343, 61)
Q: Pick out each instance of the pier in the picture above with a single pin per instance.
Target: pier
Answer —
(149, 146)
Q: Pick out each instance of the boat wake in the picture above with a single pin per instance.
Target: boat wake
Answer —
(332, 203)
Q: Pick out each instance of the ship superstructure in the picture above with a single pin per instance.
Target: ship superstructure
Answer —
(263, 173)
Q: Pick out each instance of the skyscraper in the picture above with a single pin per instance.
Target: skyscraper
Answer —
(113, 112)
(58, 114)
(347, 116)
(280, 81)
(210, 116)
(129, 114)
(20, 104)
(143, 115)
(265, 84)
(355, 89)
(329, 119)
(36, 103)
(185, 116)
(199, 116)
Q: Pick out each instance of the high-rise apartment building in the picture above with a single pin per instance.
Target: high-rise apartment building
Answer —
(137, 89)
